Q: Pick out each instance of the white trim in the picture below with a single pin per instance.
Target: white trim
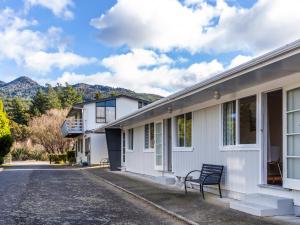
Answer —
(237, 146)
(183, 149)
(149, 150)
(175, 146)
(161, 167)
(288, 182)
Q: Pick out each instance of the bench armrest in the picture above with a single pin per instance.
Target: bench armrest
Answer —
(185, 179)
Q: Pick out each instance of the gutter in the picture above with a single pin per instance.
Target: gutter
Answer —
(228, 74)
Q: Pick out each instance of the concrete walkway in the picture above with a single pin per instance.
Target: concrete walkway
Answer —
(192, 207)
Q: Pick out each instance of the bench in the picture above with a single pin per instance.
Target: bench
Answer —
(104, 162)
(209, 175)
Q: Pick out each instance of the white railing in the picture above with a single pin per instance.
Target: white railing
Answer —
(72, 126)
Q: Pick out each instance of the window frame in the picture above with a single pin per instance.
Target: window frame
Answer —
(238, 146)
(177, 148)
(105, 112)
(130, 132)
(149, 149)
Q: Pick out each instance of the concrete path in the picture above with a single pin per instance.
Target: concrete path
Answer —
(192, 206)
(45, 195)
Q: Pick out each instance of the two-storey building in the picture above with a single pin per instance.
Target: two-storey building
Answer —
(84, 118)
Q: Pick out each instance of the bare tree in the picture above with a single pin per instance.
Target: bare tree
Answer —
(45, 130)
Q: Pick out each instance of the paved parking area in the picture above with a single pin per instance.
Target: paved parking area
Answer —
(46, 195)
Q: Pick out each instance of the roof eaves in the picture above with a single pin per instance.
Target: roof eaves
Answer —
(217, 78)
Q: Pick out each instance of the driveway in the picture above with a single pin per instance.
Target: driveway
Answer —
(41, 194)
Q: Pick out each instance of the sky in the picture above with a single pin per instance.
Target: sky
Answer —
(153, 46)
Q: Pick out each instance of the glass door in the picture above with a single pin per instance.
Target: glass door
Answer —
(292, 140)
(159, 145)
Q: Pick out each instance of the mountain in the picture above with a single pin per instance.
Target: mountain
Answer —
(1, 83)
(26, 88)
(22, 87)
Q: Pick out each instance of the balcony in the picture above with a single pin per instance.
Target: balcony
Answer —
(72, 127)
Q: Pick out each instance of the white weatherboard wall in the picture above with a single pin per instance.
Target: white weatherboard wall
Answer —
(98, 148)
(243, 166)
(89, 118)
(138, 161)
(125, 106)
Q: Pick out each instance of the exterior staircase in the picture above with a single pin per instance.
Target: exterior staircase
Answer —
(264, 205)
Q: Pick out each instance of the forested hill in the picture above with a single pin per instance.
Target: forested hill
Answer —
(26, 88)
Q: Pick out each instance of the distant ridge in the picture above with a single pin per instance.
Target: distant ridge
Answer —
(26, 88)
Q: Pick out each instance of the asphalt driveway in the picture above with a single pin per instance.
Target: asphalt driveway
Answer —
(49, 195)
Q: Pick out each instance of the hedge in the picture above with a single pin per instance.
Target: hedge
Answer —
(58, 158)
(71, 156)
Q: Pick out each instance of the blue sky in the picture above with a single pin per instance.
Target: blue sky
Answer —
(157, 46)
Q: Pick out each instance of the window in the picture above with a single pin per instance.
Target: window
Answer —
(79, 145)
(141, 104)
(105, 111)
(149, 136)
(184, 130)
(87, 146)
(123, 147)
(229, 121)
(239, 121)
(130, 139)
(247, 120)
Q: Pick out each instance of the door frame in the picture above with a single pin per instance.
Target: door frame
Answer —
(287, 182)
(264, 131)
(161, 167)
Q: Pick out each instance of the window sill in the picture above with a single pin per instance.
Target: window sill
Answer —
(148, 150)
(128, 150)
(239, 148)
(183, 149)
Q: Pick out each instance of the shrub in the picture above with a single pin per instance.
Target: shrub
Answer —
(71, 156)
(27, 151)
(58, 158)
(6, 142)
(6, 139)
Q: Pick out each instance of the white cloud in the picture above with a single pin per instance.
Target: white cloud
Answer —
(159, 24)
(238, 60)
(196, 25)
(33, 49)
(145, 71)
(60, 8)
(45, 62)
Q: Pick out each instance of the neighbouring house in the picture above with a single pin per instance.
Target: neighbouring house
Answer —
(83, 118)
(246, 118)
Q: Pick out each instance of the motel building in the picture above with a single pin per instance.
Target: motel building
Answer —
(246, 119)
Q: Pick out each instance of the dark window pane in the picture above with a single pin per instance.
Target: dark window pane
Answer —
(147, 136)
(229, 123)
(180, 130)
(100, 104)
(247, 117)
(110, 103)
(188, 129)
(151, 135)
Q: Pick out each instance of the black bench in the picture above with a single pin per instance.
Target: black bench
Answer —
(209, 175)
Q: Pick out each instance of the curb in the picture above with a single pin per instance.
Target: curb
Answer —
(175, 215)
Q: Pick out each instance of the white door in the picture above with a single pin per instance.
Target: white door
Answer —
(159, 146)
(292, 139)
